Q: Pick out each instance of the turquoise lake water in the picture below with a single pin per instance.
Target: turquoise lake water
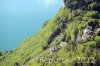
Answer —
(19, 19)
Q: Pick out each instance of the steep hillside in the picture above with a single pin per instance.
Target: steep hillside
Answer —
(71, 38)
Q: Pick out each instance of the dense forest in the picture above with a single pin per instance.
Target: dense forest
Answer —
(70, 38)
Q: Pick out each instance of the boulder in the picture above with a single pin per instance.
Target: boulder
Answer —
(63, 44)
(52, 49)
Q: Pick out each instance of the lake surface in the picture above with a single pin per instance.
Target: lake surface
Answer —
(19, 19)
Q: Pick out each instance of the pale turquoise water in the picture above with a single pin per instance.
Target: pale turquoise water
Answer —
(20, 19)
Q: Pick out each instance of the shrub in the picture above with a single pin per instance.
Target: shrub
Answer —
(44, 47)
(0, 53)
(16, 64)
(92, 6)
(92, 14)
(91, 44)
(97, 39)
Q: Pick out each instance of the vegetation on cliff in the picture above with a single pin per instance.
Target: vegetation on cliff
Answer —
(77, 24)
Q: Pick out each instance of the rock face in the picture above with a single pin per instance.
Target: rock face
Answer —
(87, 33)
(98, 31)
(79, 38)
